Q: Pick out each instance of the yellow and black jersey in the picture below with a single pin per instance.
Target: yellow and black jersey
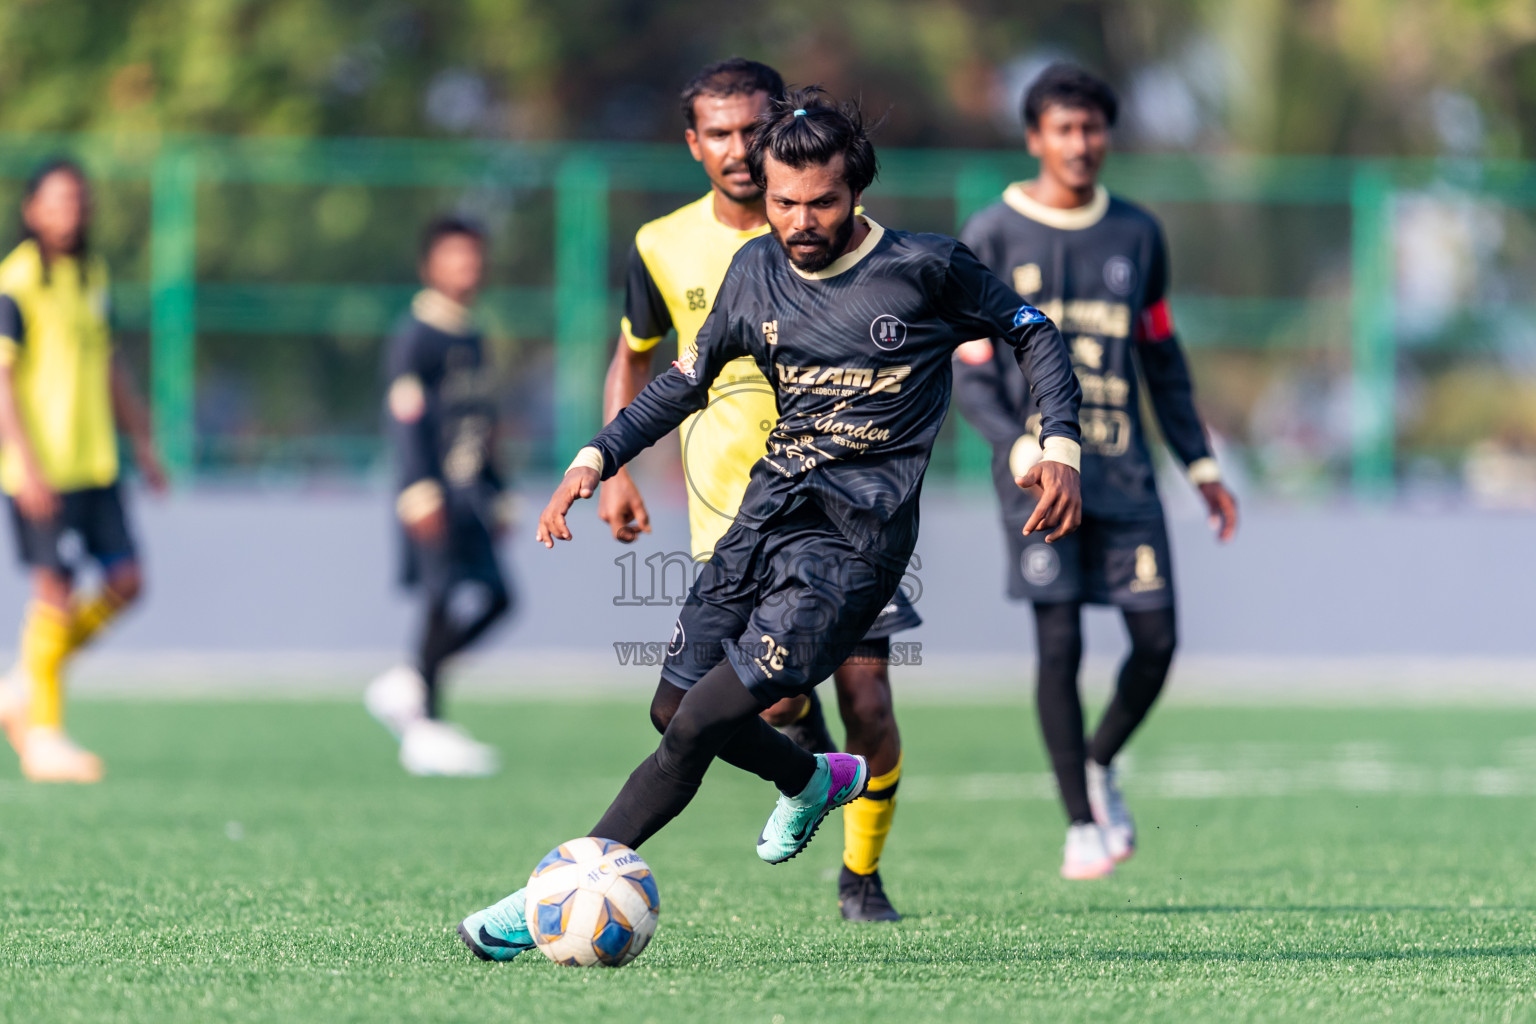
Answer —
(54, 335)
(675, 270)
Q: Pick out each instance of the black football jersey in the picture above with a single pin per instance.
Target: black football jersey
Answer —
(441, 406)
(858, 356)
(1101, 273)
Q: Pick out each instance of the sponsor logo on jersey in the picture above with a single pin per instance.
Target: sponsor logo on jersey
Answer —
(1147, 577)
(844, 378)
(1090, 316)
(679, 640)
(1120, 275)
(887, 332)
(1088, 351)
(1026, 279)
(1028, 315)
(1040, 565)
(771, 331)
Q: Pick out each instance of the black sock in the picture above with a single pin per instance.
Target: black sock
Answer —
(1059, 637)
(1154, 635)
(441, 637)
(717, 712)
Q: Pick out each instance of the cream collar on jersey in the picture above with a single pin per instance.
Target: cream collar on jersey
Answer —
(435, 309)
(848, 260)
(1075, 219)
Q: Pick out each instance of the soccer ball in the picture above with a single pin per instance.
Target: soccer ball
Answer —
(592, 901)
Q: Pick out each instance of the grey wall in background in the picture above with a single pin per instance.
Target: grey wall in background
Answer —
(313, 572)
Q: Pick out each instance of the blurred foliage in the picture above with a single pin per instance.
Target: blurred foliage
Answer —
(1313, 76)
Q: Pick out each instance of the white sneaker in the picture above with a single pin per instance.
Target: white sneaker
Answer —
(398, 698)
(15, 705)
(430, 747)
(48, 755)
(1109, 810)
(1086, 855)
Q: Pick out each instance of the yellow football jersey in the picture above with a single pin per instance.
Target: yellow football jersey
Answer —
(675, 270)
(54, 335)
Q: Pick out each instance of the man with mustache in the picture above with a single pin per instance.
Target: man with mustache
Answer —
(854, 326)
(1098, 266)
(675, 269)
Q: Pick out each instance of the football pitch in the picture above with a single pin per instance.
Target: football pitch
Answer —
(268, 861)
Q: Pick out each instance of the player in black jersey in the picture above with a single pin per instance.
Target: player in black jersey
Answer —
(854, 326)
(1098, 266)
(442, 422)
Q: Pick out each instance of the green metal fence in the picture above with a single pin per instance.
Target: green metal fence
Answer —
(576, 309)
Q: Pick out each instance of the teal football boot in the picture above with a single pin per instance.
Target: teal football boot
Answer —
(500, 931)
(838, 779)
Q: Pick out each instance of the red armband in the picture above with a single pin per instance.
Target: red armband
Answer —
(1156, 323)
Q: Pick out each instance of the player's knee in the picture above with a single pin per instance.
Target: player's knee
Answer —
(664, 705)
(126, 582)
(785, 712)
(1156, 641)
(864, 698)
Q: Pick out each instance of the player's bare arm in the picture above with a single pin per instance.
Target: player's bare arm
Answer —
(618, 502)
(133, 420)
(36, 499)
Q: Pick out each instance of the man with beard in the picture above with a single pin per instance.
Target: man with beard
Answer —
(675, 269)
(854, 326)
(1098, 267)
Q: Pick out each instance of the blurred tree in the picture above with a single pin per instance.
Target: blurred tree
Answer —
(1321, 76)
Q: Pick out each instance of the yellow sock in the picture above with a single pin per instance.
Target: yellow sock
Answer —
(44, 646)
(867, 822)
(88, 616)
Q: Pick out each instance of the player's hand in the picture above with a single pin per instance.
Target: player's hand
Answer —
(37, 501)
(430, 528)
(620, 506)
(150, 468)
(1061, 499)
(579, 482)
(1223, 510)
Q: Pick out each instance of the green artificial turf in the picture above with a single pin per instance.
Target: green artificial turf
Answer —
(268, 861)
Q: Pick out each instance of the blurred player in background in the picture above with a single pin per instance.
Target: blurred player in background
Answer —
(63, 395)
(1098, 266)
(442, 413)
(675, 269)
(830, 516)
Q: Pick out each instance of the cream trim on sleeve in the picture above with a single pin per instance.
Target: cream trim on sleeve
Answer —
(1063, 450)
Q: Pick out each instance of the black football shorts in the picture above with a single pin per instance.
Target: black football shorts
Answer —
(91, 525)
(785, 604)
(1125, 564)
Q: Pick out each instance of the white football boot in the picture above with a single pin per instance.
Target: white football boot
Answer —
(398, 699)
(15, 705)
(48, 755)
(1086, 856)
(1110, 812)
(430, 747)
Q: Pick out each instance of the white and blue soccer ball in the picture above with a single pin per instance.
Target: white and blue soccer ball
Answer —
(592, 901)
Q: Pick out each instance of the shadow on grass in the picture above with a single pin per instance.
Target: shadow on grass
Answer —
(1310, 955)
(1332, 908)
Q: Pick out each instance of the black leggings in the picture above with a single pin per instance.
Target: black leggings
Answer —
(716, 717)
(442, 637)
(1059, 636)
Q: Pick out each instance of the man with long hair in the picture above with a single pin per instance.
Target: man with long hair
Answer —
(854, 325)
(63, 396)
